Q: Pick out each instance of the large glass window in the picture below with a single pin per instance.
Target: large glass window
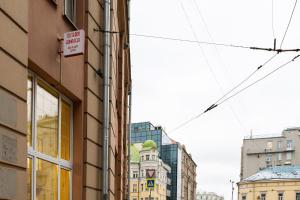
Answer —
(298, 196)
(49, 162)
(280, 196)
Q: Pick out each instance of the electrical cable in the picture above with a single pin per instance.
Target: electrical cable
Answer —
(235, 94)
(235, 115)
(273, 31)
(260, 79)
(246, 78)
(287, 28)
(190, 41)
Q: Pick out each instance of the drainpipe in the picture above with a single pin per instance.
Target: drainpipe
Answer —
(106, 94)
(130, 104)
(129, 138)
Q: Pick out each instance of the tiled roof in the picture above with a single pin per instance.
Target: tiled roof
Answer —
(276, 173)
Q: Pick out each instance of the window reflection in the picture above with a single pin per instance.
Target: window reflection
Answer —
(29, 178)
(29, 114)
(64, 184)
(65, 130)
(47, 121)
(46, 180)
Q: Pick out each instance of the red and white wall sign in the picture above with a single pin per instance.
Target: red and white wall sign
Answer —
(74, 43)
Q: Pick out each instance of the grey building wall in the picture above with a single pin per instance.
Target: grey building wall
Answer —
(259, 152)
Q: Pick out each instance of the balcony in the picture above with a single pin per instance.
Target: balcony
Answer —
(269, 151)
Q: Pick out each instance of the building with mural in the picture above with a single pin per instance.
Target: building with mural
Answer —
(183, 168)
(144, 158)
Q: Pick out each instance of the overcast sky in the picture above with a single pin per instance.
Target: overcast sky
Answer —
(174, 81)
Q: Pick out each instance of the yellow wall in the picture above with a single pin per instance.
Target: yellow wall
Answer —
(158, 193)
(253, 190)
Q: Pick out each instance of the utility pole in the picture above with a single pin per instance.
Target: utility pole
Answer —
(232, 189)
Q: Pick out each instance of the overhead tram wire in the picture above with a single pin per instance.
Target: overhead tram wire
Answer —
(273, 30)
(235, 94)
(220, 58)
(246, 78)
(212, 43)
(223, 96)
(191, 41)
(260, 79)
(290, 20)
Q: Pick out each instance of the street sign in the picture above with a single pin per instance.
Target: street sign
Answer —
(73, 43)
(150, 173)
(150, 183)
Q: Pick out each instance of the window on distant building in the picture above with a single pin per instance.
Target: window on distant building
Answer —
(244, 197)
(49, 140)
(135, 174)
(134, 188)
(289, 144)
(269, 158)
(263, 196)
(289, 155)
(280, 196)
(153, 157)
(142, 158)
(70, 10)
(279, 145)
(279, 156)
(298, 196)
(269, 145)
(147, 157)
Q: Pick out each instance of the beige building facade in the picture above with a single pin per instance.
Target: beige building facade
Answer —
(273, 183)
(259, 152)
(146, 157)
(208, 196)
(51, 106)
(188, 176)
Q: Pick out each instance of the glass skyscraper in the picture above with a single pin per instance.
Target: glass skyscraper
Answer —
(169, 152)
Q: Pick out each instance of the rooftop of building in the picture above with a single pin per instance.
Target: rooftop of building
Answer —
(276, 173)
(274, 135)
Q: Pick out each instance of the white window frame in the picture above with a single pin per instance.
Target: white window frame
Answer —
(279, 156)
(265, 196)
(289, 144)
(290, 157)
(34, 155)
(73, 21)
(269, 157)
(280, 197)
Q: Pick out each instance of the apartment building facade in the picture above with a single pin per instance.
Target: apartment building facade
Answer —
(188, 177)
(51, 106)
(145, 157)
(259, 152)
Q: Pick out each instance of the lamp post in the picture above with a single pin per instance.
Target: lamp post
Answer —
(232, 188)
